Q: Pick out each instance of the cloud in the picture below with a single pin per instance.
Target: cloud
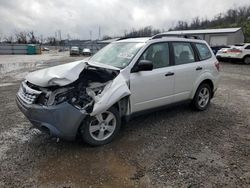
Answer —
(78, 17)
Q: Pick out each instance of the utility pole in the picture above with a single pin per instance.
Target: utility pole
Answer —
(56, 39)
(41, 39)
(90, 34)
(99, 33)
(60, 35)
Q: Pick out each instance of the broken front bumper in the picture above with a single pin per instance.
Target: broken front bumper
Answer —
(61, 120)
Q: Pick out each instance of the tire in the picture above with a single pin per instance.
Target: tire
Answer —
(97, 130)
(203, 93)
(246, 60)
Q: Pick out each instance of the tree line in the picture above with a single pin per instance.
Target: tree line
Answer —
(235, 17)
(28, 37)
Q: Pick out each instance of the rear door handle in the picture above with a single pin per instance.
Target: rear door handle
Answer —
(199, 68)
(169, 74)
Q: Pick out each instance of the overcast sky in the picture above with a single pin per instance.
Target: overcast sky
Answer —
(78, 17)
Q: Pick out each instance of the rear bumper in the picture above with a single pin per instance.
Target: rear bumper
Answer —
(86, 53)
(221, 58)
(61, 120)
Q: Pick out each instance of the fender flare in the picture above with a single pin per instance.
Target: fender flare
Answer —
(203, 77)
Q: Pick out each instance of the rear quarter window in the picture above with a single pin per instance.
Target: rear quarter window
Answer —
(248, 47)
(203, 51)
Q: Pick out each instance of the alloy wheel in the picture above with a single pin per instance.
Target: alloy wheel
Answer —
(203, 97)
(102, 126)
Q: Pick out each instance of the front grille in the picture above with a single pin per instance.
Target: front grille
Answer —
(28, 94)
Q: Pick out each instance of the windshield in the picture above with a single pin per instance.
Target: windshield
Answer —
(117, 54)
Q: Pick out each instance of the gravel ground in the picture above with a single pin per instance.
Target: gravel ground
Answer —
(176, 147)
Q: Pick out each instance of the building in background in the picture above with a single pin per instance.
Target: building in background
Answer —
(214, 37)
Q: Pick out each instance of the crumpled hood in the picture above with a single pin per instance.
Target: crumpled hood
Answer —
(62, 75)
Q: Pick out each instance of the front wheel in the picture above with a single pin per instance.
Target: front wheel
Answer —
(202, 97)
(102, 128)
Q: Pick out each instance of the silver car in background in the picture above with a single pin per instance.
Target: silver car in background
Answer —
(74, 50)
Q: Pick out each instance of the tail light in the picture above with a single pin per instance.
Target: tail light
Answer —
(235, 51)
(217, 65)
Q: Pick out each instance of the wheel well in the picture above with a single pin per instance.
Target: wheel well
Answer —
(209, 82)
(246, 56)
(116, 105)
(122, 106)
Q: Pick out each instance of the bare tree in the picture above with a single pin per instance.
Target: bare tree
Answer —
(32, 38)
(21, 37)
(51, 40)
(142, 32)
(9, 39)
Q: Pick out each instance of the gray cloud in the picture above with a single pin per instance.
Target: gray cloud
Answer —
(79, 17)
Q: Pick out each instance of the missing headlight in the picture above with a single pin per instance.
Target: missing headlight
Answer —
(60, 95)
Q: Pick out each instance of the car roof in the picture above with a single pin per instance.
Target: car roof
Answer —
(167, 38)
(241, 44)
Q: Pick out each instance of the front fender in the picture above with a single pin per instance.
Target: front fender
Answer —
(114, 92)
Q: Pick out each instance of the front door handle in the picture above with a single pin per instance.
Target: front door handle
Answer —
(199, 68)
(169, 74)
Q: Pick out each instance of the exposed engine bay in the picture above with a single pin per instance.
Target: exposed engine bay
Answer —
(82, 93)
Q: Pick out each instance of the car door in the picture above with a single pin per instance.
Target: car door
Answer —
(186, 69)
(150, 89)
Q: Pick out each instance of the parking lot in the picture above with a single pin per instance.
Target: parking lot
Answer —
(175, 147)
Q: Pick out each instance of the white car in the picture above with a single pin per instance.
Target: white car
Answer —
(238, 52)
(86, 52)
(125, 78)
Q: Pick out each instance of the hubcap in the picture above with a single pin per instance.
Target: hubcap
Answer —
(102, 126)
(203, 97)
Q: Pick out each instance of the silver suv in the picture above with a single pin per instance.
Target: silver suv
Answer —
(122, 80)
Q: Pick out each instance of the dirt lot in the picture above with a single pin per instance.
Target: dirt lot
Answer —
(176, 147)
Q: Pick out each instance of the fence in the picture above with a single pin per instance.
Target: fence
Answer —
(7, 49)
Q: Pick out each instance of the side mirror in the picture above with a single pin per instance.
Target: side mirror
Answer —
(143, 65)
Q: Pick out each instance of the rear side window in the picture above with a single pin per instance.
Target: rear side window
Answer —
(204, 52)
(183, 53)
(248, 47)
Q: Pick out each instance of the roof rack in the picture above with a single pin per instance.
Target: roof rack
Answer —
(161, 35)
(132, 37)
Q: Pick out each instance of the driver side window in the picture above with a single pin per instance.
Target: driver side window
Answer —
(158, 54)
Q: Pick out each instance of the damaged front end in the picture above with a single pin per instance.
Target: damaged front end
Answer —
(57, 100)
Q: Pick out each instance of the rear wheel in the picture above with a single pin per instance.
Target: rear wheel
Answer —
(246, 60)
(102, 128)
(202, 97)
